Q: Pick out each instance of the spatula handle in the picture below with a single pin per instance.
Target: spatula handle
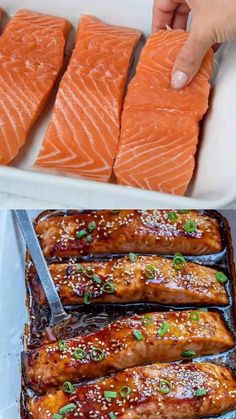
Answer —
(57, 310)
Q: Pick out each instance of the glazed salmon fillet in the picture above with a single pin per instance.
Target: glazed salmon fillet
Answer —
(160, 125)
(167, 391)
(133, 279)
(82, 137)
(31, 54)
(126, 231)
(128, 342)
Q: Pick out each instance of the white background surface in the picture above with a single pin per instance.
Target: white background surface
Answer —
(215, 184)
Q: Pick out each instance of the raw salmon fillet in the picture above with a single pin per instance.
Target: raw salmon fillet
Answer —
(160, 126)
(83, 134)
(31, 56)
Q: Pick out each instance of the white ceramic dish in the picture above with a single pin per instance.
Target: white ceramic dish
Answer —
(215, 180)
(13, 312)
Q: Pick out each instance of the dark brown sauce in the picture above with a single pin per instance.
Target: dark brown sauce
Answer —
(92, 318)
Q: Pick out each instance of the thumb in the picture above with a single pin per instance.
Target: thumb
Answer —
(190, 58)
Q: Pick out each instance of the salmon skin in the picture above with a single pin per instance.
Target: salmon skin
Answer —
(133, 279)
(82, 137)
(125, 231)
(167, 391)
(160, 125)
(128, 342)
(31, 56)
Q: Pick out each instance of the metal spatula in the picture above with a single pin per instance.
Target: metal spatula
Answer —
(59, 318)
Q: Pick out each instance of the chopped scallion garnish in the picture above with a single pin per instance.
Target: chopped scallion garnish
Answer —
(89, 272)
(190, 226)
(97, 279)
(133, 257)
(138, 335)
(92, 226)
(125, 391)
(164, 328)
(87, 297)
(108, 288)
(97, 354)
(200, 392)
(80, 354)
(68, 387)
(62, 345)
(165, 387)
(221, 278)
(194, 316)
(147, 319)
(66, 409)
(178, 262)
(81, 234)
(172, 217)
(110, 394)
(150, 271)
(189, 354)
(79, 268)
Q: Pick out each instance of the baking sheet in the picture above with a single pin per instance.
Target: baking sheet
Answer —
(14, 314)
(215, 181)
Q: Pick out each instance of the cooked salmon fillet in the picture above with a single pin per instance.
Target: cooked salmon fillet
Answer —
(128, 342)
(160, 125)
(125, 231)
(166, 391)
(31, 56)
(133, 279)
(83, 134)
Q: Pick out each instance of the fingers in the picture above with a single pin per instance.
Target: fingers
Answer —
(163, 13)
(190, 58)
(181, 17)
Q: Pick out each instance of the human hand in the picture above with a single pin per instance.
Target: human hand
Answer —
(213, 21)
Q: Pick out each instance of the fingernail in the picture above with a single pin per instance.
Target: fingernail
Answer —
(179, 80)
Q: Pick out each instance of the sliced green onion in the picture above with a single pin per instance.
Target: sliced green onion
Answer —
(79, 268)
(80, 354)
(112, 415)
(81, 234)
(178, 262)
(57, 416)
(108, 287)
(133, 257)
(67, 409)
(89, 272)
(68, 387)
(189, 354)
(62, 345)
(138, 335)
(110, 394)
(221, 278)
(97, 279)
(89, 238)
(97, 354)
(115, 211)
(172, 217)
(92, 226)
(147, 319)
(150, 271)
(183, 211)
(165, 327)
(190, 226)
(165, 387)
(87, 297)
(125, 391)
(200, 392)
(194, 316)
